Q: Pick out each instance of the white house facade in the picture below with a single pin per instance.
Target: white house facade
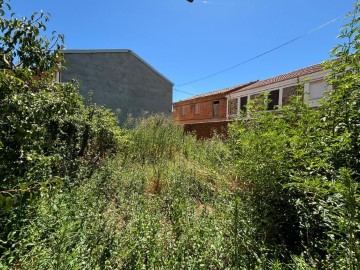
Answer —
(280, 89)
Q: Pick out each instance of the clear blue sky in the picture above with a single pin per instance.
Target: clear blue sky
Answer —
(187, 41)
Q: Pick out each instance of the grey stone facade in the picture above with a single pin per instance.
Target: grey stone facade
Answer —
(119, 80)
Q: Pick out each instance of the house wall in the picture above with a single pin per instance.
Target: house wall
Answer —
(185, 112)
(313, 84)
(120, 80)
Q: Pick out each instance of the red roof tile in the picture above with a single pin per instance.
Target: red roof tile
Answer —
(256, 84)
(218, 92)
(286, 76)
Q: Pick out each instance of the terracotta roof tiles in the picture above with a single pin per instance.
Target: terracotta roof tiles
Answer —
(256, 84)
(217, 92)
(286, 76)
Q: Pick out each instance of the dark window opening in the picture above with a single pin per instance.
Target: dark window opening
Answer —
(216, 108)
(273, 99)
(243, 103)
(233, 106)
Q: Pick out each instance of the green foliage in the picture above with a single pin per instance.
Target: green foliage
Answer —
(62, 231)
(49, 138)
(132, 215)
(45, 129)
(262, 149)
(78, 192)
(48, 132)
(155, 138)
(23, 47)
(300, 168)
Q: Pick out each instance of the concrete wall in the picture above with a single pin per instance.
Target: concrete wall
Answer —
(120, 80)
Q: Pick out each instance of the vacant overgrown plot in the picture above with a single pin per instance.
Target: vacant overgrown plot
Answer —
(79, 192)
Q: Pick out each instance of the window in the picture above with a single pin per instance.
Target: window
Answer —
(233, 105)
(274, 99)
(288, 92)
(317, 89)
(257, 100)
(182, 110)
(216, 108)
(243, 103)
(197, 108)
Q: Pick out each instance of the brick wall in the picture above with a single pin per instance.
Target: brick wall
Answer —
(186, 112)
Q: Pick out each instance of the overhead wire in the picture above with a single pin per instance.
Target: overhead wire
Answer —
(184, 92)
(262, 54)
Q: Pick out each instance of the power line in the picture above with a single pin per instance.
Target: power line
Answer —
(264, 53)
(184, 92)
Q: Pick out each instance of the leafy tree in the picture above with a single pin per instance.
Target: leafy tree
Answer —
(23, 46)
(47, 135)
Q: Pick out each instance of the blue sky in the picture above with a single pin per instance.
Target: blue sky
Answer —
(187, 41)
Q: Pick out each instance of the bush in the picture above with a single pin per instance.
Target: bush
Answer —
(299, 169)
(48, 137)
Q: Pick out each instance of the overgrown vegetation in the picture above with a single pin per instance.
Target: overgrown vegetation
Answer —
(79, 192)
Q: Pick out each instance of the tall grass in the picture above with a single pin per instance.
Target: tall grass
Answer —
(173, 202)
(161, 203)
